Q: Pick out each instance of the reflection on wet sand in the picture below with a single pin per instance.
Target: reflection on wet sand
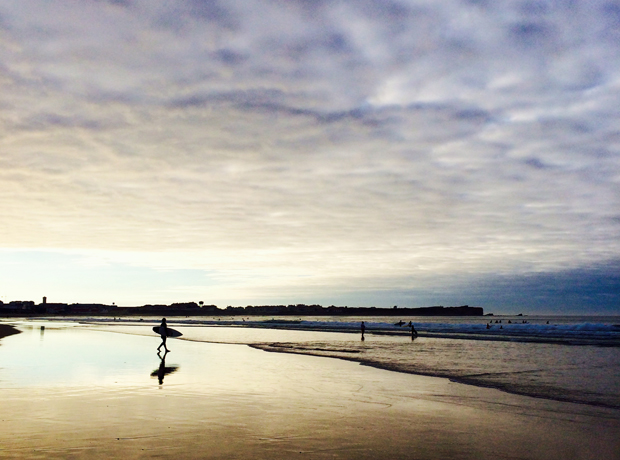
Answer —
(85, 394)
(163, 370)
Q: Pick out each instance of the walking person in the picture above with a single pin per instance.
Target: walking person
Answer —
(414, 333)
(163, 331)
(363, 328)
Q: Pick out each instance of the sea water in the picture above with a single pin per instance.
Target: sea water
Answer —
(574, 359)
(92, 390)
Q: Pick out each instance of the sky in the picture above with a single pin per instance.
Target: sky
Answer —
(346, 152)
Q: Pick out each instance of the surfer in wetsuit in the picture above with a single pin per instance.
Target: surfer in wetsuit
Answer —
(163, 334)
(414, 333)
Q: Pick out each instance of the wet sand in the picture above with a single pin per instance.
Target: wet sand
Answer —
(73, 392)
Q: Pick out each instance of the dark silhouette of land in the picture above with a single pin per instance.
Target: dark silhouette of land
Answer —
(6, 330)
(29, 308)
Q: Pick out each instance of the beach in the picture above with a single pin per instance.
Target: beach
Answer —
(84, 391)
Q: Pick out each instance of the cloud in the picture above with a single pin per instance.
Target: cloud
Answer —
(316, 145)
(588, 289)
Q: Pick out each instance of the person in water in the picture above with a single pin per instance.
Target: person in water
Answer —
(163, 333)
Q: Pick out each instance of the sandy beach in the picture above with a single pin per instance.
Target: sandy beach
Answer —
(78, 392)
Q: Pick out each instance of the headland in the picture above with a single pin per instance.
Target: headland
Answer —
(29, 308)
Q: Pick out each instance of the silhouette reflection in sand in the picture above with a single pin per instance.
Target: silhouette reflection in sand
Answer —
(163, 370)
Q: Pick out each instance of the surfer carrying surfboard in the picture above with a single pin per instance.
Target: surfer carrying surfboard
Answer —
(163, 331)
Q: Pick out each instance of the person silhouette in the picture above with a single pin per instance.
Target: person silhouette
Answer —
(363, 328)
(414, 333)
(163, 331)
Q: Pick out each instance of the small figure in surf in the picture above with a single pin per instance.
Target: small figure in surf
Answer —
(414, 333)
(363, 328)
(163, 333)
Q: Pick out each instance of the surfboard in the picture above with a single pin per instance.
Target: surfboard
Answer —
(169, 332)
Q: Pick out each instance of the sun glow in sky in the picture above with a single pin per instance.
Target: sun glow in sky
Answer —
(351, 152)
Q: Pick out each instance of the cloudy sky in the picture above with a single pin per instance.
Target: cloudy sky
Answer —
(348, 152)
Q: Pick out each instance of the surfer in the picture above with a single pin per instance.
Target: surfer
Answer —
(414, 333)
(163, 333)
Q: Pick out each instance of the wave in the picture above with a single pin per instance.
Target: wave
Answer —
(521, 358)
(546, 375)
(560, 330)
(601, 334)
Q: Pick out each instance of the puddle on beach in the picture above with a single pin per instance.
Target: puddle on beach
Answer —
(73, 391)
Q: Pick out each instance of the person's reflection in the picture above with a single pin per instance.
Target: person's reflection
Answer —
(163, 370)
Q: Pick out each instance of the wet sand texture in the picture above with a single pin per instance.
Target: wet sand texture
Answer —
(87, 394)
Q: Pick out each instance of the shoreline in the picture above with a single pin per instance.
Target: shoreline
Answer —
(490, 337)
(222, 401)
(606, 334)
(485, 371)
(7, 330)
(465, 380)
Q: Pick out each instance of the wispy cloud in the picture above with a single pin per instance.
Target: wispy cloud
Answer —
(315, 145)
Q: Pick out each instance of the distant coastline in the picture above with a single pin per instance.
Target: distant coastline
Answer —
(29, 308)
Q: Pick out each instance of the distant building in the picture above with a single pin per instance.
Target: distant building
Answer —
(21, 306)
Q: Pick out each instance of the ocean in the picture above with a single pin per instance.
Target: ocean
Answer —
(564, 358)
